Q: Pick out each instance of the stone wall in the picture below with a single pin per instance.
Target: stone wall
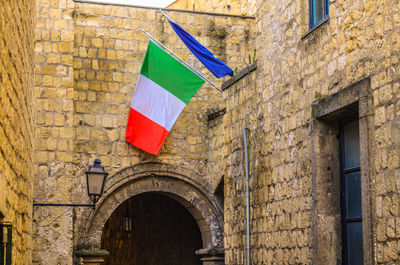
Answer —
(17, 123)
(87, 60)
(359, 43)
(54, 135)
(236, 7)
(238, 93)
(88, 57)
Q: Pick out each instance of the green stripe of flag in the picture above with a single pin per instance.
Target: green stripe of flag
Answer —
(170, 74)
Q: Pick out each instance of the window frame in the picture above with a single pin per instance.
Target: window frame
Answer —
(343, 187)
(312, 13)
(325, 117)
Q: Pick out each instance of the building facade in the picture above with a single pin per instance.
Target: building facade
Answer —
(316, 92)
(16, 130)
(87, 60)
(324, 152)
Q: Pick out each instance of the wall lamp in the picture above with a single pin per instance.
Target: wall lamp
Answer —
(127, 224)
(5, 232)
(127, 219)
(95, 179)
(5, 243)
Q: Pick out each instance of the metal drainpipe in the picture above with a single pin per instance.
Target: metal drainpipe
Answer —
(245, 129)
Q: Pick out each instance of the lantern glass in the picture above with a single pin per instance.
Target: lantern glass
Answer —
(96, 177)
(5, 234)
(95, 183)
(5, 230)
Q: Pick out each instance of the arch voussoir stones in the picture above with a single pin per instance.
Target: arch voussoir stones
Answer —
(175, 182)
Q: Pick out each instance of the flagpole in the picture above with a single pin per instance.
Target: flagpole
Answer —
(163, 13)
(179, 59)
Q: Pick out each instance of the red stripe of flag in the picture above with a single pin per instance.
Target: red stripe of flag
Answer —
(145, 133)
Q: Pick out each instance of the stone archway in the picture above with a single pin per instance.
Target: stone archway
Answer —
(175, 182)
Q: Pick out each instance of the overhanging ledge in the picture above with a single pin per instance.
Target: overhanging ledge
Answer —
(245, 71)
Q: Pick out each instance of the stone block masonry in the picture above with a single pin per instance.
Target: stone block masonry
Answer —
(238, 92)
(358, 44)
(87, 60)
(17, 123)
(236, 7)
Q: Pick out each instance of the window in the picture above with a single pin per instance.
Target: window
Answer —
(341, 140)
(6, 243)
(319, 11)
(352, 241)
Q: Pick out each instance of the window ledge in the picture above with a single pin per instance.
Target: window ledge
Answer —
(323, 22)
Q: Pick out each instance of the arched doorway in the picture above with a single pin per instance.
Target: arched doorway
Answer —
(176, 183)
(163, 233)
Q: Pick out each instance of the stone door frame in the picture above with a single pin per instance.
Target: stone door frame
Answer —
(175, 182)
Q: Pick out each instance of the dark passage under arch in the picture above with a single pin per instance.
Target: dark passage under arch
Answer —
(164, 233)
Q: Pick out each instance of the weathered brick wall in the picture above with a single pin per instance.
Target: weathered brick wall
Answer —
(88, 57)
(17, 123)
(360, 40)
(236, 7)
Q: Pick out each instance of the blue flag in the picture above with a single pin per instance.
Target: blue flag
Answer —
(215, 65)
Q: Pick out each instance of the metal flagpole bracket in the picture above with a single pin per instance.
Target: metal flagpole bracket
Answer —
(178, 58)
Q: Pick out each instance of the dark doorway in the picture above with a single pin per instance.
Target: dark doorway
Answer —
(163, 233)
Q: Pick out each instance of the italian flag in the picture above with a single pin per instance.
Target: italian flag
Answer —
(163, 89)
